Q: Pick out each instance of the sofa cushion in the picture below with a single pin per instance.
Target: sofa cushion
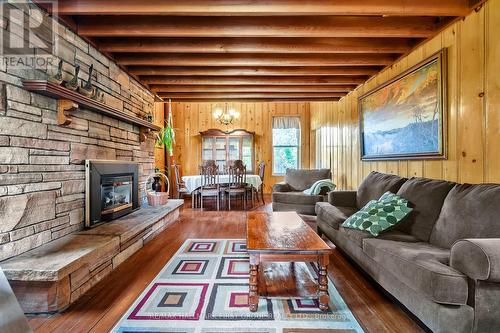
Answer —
(296, 198)
(422, 267)
(379, 215)
(469, 211)
(342, 198)
(281, 187)
(300, 209)
(300, 180)
(357, 236)
(334, 216)
(426, 197)
(376, 184)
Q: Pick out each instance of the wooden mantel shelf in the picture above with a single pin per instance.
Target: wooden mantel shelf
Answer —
(69, 100)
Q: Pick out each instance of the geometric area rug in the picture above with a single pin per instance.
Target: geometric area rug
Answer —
(204, 289)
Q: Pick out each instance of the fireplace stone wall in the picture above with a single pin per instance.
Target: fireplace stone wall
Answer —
(42, 164)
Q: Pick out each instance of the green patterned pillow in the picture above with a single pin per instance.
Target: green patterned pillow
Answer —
(379, 215)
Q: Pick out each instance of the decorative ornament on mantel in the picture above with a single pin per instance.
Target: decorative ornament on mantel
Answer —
(70, 101)
(57, 78)
(225, 116)
(73, 83)
(86, 88)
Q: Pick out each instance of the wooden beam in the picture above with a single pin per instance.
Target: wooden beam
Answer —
(246, 88)
(262, 99)
(319, 26)
(265, 7)
(250, 59)
(251, 95)
(254, 71)
(254, 80)
(257, 45)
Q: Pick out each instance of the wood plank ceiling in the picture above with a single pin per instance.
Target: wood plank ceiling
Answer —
(199, 50)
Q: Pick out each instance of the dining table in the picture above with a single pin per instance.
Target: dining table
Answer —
(192, 183)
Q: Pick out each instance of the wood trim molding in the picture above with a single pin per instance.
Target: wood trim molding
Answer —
(216, 131)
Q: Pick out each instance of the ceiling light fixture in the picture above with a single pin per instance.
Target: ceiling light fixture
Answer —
(225, 116)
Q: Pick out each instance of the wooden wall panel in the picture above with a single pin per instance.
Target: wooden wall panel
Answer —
(492, 101)
(473, 108)
(191, 118)
(159, 118)
(471, 127)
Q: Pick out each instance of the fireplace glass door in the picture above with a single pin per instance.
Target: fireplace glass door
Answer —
(116, 194)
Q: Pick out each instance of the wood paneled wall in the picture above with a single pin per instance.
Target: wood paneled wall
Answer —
(473, 109)
(159, 119)
(191, 118)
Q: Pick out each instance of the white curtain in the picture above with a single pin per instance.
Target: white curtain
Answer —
(286, 122)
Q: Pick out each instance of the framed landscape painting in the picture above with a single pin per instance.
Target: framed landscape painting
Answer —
(405, 118)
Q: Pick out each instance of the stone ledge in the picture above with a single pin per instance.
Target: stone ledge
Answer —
(71, 265)
(53, 261)
(134, 223)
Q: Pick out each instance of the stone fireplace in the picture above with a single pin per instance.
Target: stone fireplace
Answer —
(42, 164)
(111, 190)
(46, 252)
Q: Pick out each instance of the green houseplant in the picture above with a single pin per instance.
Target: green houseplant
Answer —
(166, 136)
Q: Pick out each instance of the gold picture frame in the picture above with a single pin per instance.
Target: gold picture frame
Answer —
(406, 117)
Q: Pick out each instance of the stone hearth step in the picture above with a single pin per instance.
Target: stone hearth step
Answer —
(55, 260)
(54, 275)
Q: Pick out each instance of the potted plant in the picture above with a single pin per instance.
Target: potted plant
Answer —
(166, 136)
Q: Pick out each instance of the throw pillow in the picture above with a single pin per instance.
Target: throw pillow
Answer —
(392, 197)
(379, 215)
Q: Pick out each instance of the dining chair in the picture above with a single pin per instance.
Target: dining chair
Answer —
(209, 183)
(231, 163)
(237, 185)
(209, 163)
(240, 164)
(255, 191)
(179, 183)
(262, 170)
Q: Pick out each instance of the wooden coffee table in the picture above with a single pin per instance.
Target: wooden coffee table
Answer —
(280, 244)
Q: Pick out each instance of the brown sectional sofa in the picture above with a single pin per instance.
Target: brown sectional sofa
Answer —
(442, 262)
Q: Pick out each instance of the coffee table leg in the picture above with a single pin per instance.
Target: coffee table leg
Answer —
(324, 298)
(253, 295)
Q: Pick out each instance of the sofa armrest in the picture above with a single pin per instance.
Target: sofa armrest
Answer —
(478, 258)
(342, 198)
(281, 187)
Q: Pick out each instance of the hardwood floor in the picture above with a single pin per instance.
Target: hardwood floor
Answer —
(103, 305)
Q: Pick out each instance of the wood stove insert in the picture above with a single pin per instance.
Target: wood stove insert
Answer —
(111, 190)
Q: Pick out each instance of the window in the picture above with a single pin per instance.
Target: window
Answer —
(286, 143)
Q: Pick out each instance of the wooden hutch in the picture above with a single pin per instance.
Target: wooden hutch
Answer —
(225, 146)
